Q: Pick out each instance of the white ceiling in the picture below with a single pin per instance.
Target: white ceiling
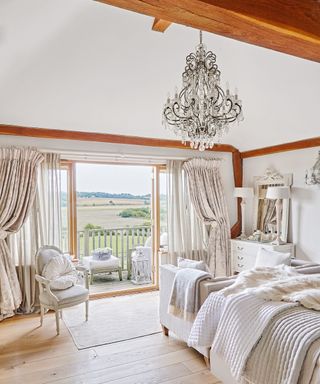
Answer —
(81, 65)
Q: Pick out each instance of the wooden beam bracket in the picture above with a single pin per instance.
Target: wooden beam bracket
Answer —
(160, 25)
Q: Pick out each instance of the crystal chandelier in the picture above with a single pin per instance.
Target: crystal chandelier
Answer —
(313, 174)
(202, 111)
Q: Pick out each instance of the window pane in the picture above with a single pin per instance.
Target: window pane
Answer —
(163, 210)
(113, 208)
(64, 211)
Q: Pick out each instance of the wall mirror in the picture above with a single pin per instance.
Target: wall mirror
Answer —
(264, 209)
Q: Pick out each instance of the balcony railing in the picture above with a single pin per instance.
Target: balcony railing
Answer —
(121, 240)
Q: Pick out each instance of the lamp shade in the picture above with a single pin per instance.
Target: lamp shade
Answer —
(243, 192)
(275, 193)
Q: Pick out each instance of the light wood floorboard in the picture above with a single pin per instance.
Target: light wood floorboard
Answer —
(33, 354)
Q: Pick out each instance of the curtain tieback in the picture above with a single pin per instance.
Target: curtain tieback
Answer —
(3, 234)
(214, 225)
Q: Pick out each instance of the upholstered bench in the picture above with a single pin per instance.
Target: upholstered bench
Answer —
(102, 266)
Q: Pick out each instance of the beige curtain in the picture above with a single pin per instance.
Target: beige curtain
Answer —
(43, 227)
(186, 233)
(18, 178)
(208, 199)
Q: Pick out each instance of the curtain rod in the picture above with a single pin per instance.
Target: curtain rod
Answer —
(99, 156)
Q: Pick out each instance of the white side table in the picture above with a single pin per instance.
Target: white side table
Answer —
(244, 253)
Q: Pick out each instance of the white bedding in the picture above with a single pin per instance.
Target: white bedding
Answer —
(279, 356)
(233, 322)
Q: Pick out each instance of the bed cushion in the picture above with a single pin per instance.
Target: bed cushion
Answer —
(270, 258)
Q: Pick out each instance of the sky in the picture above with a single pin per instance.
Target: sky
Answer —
(114, 179)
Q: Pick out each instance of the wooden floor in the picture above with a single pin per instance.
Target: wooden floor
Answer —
(30, 354)
(104, 282)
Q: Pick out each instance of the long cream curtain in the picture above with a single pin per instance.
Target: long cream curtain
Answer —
(208, 198)
(186, 233)
(43, 227)
(18, 180)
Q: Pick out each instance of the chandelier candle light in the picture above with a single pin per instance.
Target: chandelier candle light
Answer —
(202, 112)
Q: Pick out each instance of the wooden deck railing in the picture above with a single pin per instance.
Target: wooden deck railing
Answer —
(121, 240)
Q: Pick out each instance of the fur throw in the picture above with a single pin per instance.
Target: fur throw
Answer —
(281, 283)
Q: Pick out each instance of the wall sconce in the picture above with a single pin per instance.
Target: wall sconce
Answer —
(313, 174)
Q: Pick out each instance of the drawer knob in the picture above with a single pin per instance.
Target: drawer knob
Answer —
(239, 248)
(240, 265)
(240, 257)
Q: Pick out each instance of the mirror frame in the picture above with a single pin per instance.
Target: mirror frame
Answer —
(272, 177)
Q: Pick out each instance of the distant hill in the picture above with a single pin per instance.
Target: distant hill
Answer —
(106, 195)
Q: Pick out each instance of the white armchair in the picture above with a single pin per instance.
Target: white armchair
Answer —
(56, 300)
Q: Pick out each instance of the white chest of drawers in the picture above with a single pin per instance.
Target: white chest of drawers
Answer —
(244, 253)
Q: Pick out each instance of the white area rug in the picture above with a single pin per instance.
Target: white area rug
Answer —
(114, 319)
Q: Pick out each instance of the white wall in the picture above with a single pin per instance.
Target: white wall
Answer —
(124, 153)
(304, 221)
(87, 66)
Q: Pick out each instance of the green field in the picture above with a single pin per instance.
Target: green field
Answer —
(105, 214)
(100, 212)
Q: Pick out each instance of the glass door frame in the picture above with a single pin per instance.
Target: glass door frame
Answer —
(70, 166)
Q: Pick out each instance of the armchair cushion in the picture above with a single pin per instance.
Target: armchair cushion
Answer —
(60, 271)
(95, 265)
(74, 294)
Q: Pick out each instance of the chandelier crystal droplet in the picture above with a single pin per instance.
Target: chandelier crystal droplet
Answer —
(202, 112)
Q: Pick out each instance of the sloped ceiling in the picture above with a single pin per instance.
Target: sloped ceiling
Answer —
(81, 65)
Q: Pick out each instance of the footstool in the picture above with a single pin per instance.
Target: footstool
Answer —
(102, 266)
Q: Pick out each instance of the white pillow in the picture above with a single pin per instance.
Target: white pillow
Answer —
(270, 258)
(188, 263)
(61, 273)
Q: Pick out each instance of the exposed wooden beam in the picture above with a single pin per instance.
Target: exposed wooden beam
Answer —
(290, 27)
(45, 133)
(238, 178)
(301, 144)
(160, 25)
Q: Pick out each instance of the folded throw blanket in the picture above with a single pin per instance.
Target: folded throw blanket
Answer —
(184, 300)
